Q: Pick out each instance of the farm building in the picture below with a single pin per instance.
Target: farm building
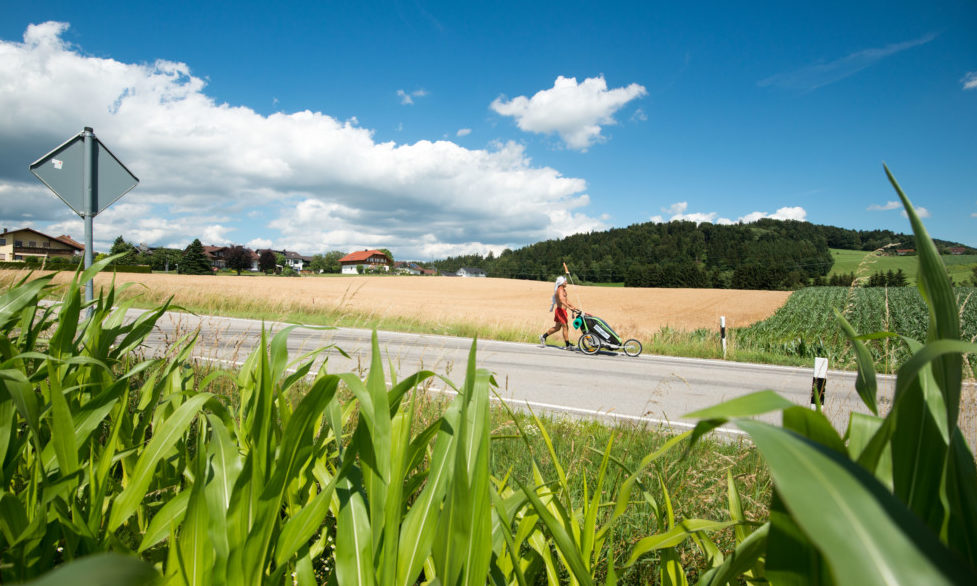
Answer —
(17, 245)
(368, 259)
(470, 272)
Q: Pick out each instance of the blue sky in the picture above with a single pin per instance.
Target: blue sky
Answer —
(441, 128)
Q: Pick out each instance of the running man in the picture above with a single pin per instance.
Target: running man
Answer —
(561, 303)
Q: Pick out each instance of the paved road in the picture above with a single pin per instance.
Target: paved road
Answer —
(656, 390)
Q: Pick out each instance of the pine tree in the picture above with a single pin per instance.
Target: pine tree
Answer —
(120, 246)
(194, 261)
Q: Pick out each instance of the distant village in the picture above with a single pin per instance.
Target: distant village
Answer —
(27, 245)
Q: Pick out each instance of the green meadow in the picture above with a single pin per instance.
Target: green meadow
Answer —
(864, 264)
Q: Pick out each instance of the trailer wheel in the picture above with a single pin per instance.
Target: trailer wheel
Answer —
(588, 344)
(632, 347)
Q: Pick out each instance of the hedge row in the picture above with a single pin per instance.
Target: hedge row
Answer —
(61, 266)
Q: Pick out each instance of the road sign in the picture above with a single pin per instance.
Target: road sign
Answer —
(63, 171)
(86, 176)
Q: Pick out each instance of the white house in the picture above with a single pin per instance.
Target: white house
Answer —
(368, 259)
(470, 272)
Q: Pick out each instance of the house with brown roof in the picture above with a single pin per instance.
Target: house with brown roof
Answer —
(18, 245)
(372, 260)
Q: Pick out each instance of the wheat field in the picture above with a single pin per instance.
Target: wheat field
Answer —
(483, 303)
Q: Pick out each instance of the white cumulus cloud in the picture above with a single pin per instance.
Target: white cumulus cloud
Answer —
(970, 80)
(895, 205)
(576, 112)
(889, 205)
(677, 213)
(223, 173)
(464, 131)
(407, 98)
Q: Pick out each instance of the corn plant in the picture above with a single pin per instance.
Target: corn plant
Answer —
(103, 452)
(894, 501)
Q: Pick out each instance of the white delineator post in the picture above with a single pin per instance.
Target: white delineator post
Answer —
(722, 332)
(819, 382)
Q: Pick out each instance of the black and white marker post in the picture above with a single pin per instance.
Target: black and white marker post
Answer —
(722, 332)
(819, 382)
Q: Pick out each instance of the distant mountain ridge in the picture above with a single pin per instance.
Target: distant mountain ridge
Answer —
(767, 254)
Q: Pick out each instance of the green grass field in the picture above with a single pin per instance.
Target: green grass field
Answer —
(864, 264)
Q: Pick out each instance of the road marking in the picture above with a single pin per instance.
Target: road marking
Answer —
(591, 413)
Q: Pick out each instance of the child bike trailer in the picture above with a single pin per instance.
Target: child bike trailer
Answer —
(597, 333)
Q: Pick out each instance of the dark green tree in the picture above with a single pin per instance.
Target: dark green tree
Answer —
(165, 259)
(266, 261)
(327, 263)
(898, 279)
(120, 246)
(194, 261)
(238, 258)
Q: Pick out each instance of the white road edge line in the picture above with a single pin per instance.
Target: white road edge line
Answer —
(546, 406)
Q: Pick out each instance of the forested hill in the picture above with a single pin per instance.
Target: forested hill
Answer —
(768, 254)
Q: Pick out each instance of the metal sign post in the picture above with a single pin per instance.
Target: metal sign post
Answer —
(84, 173)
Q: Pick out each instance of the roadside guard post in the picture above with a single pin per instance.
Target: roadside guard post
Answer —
(819, 382)
(88, 178)
(722, 332)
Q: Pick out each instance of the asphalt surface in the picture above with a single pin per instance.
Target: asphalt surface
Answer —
(649, 390)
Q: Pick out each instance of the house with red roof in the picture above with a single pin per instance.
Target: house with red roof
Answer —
(18, 245)
(370, 260)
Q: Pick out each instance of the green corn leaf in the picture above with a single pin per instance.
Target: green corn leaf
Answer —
(672, 573)
(735, 508)
(791, 558)
(868, 443)
(814, 426)
(8, 425)
(402, 387)
(377, 478)
(196, 554)
(420, 525)
(170, 515)
(166, 436)
(478, 524)
(300, 528)
(62, 430)
(592, 539)
(15, 299)
(961, 478)
(865, 382)
(895, 547)
(750, 405)
(225, 465)
(297, 437)
(13, 518)
(101, 569)
(676, 535)
(920, 445)
(96, 267)
(944, 321)
(354, 553)
(505, 515)
(743, 559)
(561, 538)
(746, 406)
(25, 400)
